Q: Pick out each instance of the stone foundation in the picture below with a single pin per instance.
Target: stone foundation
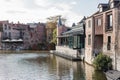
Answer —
(66, 50)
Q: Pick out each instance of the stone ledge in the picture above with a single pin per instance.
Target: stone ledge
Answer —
(69, 57)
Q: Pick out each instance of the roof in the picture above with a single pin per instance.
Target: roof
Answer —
(82, 20)
(103, 4)
(59, 22)
(63, 36)
(93, 14)
(113, 0)
(74, 31)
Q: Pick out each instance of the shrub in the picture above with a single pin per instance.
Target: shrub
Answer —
(102, 62)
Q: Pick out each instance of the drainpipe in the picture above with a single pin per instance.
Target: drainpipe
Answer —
(116, 36)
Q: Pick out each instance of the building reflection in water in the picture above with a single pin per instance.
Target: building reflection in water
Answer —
(68, 70)
(41, 66)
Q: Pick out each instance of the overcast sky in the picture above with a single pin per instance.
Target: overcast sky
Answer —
(27, 11)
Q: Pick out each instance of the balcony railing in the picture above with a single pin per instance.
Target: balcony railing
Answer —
(108, 28)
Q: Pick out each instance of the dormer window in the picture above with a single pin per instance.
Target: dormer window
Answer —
(100, 9)
(112, 5)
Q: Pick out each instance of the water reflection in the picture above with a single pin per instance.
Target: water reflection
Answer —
(68, 70)
(43, 66)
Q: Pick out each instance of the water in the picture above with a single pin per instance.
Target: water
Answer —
(43, 66)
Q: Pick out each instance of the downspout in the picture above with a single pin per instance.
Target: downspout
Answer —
(116, 36)
(93, 35)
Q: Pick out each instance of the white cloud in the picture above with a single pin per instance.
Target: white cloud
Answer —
(43, 3)
(73, 3)
(36, 10)
(64, 6)
(72, 18)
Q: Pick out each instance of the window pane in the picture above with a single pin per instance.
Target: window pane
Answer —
(89, 39)
(99, 22)
(109, 43)
(89, 23)
(110, 20)
(75, 42)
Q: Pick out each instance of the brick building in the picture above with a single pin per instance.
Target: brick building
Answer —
(105, 23)
(37, 35)
(12, 35)
(89, 40)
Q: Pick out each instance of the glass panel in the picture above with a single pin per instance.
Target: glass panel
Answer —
(79, 42)
(89, 23)
(70, 41)
(89, 39)
(99, 22)
(110, 20)
(75, 42)
(109, 42)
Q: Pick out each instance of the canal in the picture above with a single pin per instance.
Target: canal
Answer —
(44, 66)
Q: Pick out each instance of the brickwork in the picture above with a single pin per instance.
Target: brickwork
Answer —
(106, 36)
(89, 48)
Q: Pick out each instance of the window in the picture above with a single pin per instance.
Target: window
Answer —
(100, 8)
(109, 42)
(5, 26)
(1, 27)
(98, 22)
(109, 22)
(89, 39)
(89, 23)
(109, 39)
(5, 34)
(75, 42)
(9, 27)
(9, 35)
(70, 42)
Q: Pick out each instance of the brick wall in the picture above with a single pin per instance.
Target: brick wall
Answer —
(98, 27)
(89, 48)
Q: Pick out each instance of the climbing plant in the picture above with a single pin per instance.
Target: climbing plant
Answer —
(54, 40)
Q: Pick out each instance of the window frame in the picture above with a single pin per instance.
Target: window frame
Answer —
(99, 22)
(109, 43)
(89, 23)
(89, 39)
(109, 22)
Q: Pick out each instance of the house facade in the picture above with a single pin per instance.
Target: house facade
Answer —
(111, 31)
(106, 23)
(89, 44)
(70, 41)
(35, 35)
(12, 35)
(24, 36)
